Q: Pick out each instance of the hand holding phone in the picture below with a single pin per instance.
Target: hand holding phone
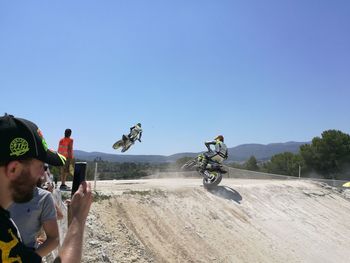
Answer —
(79, 175)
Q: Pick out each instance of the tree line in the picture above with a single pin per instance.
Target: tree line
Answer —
(326, 157)
(115, 170)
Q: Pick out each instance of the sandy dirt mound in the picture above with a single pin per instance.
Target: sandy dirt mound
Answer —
(177, 220)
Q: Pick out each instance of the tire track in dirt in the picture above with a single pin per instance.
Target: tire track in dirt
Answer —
(167, 220)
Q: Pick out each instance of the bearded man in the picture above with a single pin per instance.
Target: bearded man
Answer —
(23, 153)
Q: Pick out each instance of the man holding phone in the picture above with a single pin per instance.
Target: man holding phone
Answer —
(23, 152)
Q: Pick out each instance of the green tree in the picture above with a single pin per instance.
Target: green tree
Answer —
(328, 155)
(236, 165)
(285, 163)
(251, 164)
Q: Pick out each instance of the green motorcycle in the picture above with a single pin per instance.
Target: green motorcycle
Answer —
(212, 173)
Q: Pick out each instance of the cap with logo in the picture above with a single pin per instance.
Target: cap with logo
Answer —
(22, 139)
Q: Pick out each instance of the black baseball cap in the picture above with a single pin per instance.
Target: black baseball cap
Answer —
(22, 139)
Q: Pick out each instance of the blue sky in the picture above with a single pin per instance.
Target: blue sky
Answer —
(254, 71)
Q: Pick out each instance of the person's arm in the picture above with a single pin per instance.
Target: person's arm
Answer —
(52, 238)
(140, 135)
(70, 150)
(59, 213)
(207, 144)
(71, 249)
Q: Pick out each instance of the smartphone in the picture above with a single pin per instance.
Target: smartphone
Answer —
(79, 175)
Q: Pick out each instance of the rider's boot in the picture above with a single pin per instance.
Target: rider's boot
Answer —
(203, 165)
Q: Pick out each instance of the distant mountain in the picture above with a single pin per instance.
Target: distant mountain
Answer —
(262, 152)
(239, 153)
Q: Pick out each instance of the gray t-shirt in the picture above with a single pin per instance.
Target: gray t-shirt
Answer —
(30, 216)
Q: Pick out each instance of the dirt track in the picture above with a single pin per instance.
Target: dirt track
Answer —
(177, 220)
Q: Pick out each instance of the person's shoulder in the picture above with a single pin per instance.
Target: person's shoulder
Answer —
(45, 198)
(43, 192)
(66, 139)
(4, 213)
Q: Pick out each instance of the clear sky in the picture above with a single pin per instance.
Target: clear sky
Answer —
(255, 71)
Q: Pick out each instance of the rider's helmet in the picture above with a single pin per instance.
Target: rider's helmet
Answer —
(139, 124)
(220, 138)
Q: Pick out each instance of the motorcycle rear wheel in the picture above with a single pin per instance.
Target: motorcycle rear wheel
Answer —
(210, 183)
(126, 148)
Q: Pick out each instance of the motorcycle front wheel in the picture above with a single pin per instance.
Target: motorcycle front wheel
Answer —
(189, 164)
(118, 144)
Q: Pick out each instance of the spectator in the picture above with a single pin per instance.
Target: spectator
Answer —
(23, 152)
(31, 216)
(46, 183)
(65, 147)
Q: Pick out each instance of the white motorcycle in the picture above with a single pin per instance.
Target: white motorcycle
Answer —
(125, 143)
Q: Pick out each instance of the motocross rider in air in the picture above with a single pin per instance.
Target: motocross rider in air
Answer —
(135, 133)
(218, 155)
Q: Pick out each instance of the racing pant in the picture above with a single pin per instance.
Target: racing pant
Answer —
(211, 156)
(133, 137)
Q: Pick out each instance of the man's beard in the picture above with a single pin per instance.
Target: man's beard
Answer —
(22, 189)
